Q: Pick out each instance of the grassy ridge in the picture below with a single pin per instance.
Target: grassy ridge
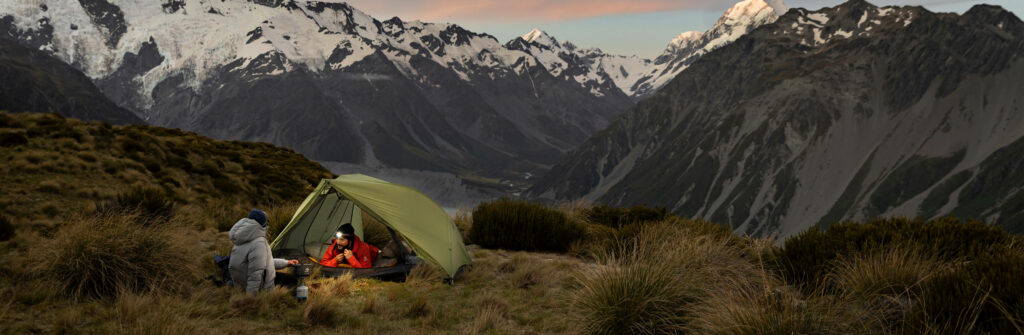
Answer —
(56, 167)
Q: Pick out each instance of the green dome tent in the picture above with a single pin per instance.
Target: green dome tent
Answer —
(403, 210)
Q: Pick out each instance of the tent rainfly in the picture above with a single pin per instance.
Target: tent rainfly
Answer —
(405, 211)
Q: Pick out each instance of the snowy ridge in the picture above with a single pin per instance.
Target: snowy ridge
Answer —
(638, 77)
(590, 67)
(308, 33)
(689, 46)
(819, 28)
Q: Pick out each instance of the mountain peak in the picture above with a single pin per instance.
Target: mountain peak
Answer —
(540, 37)
(685, 37)
(751, 8)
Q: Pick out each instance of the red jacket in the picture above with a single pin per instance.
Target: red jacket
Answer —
(363, 255)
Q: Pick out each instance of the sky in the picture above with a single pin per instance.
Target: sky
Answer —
(636, 27)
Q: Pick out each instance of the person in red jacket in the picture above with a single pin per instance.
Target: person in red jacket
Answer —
(348, 249)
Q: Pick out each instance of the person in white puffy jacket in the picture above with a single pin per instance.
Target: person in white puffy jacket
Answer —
(252, 266)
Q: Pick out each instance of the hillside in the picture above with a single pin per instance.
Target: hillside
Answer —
(847, 113)
(55, 167)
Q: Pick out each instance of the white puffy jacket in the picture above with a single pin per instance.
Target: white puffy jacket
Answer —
(252, 265)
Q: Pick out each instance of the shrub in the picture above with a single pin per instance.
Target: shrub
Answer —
(6, 228)
(374, 232)
(616, 217)
(152, 203)
(100, 256)
(520, 225)
(807, 256)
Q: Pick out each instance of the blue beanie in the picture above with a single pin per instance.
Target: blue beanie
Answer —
(259, 216)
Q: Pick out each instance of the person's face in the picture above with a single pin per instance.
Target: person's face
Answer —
(341, 242)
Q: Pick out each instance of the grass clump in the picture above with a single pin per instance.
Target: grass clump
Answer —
(103, 255)
(654, 282)
(521, 225)
(771, 310)
(152, 204)
(884, 273)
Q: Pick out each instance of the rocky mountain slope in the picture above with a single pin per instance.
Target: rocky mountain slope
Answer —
(32, 81)
(849, 112)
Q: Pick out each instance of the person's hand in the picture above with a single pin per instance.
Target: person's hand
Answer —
(348, 253)
(339, 257)
(293, 262)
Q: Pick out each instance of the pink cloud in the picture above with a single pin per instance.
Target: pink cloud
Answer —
(520, 10)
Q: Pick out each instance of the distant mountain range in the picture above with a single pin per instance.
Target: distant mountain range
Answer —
(848, 112)
(338, 85)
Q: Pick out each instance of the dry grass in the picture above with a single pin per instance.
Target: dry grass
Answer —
(653, 283)
(101, 255)
(891, 273)
(760, 310)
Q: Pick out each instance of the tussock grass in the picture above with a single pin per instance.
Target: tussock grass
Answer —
(885, 273)
(653, 282)
(764, 310)
(102, 255)
(278, 217)
(423, 275)
(153, 205)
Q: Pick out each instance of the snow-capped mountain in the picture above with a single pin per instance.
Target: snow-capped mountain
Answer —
(601, 73)
(323, 78)
(690, 46)
(636, 77)
(312, 74)
(849, 112)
